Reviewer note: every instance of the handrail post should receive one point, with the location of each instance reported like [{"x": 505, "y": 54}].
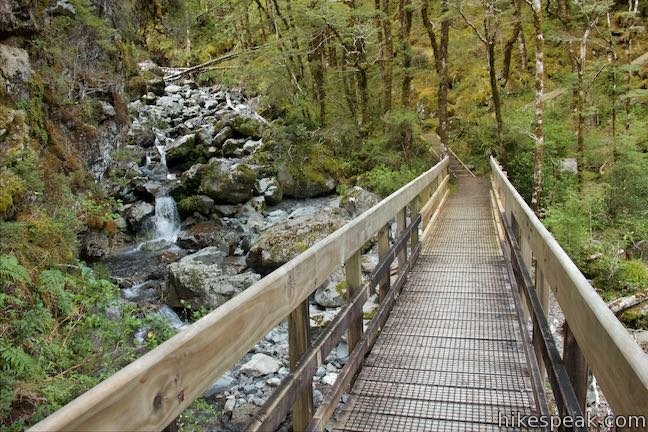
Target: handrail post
[
  {"x": 543, "y": 295},
  {"x": 298, "y": 343},
  {"x": 383, "y": 249},
  {"x": 401, "y": 225},
  {"x": 576, "y": 366},
  {"x": 414, "y": 209},
  {"x": 353, "y": 270}
]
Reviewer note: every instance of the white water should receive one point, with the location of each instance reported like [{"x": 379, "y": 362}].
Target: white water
[
  {"x": 167, "y": 219},
  {"x": 160, "y": 149}
]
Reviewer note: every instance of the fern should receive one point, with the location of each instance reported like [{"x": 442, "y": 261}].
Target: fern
[
  {"x": 12, "y": 272},
  {"x": 53, "y": 283},
  {"x": 14, "y": 360}
]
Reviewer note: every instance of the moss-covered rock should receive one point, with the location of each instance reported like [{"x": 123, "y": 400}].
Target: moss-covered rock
[
  {"x": 247, "y": 127},
  {"x": 357, "y": 200},
  {"x": 284, "y": 241},
  {"x": 304, "y": 181},
  {"x": 185, "y": 152},
  {"x": 228, "y": 182},
  {"x": 195, "y": 203}
]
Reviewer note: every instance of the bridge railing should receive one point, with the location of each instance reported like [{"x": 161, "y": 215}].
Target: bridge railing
[
  {"x": 152, "y": 391},
  {"x": 594, "y": 338}
]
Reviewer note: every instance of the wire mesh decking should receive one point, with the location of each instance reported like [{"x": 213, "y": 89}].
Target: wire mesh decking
[{"x": 451, "y": 356}]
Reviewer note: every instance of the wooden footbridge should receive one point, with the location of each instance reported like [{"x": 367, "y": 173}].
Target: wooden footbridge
[{"x": 460, "y": 341}]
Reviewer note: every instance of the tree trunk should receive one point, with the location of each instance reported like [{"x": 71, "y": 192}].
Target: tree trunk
[
  {"x": 442, "y": 98},
  {"x": 316, "y": 63},
  {"x": 497, "y": 105},
  {"x": 536, "y": 200},
  {"x": 580, "y": 104},
  {"x": 389, "y": 57},
  {"x": 429, "y": 28},
  {"x": 406, "y": 48}
]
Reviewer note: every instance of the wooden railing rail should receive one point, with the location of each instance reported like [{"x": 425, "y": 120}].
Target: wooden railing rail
[
  {"x": 152, "y": 391},
  {"x": 595, "y": 338}
]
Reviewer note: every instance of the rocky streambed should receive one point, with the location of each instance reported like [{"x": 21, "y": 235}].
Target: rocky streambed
[{"x": 207, "y": 210}]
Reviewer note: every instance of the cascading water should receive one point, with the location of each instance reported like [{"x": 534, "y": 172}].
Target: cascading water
[
  {"x": 160, "y": 149},
  {"x": 167, "y": 219}
]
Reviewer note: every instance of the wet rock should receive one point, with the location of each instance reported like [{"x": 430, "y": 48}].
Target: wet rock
[
  {"x": 145, "y": 292},
  {"x": 227, "y": 210},
  {"x": 209, "y": 233},
  {"x": 284, "y": 241},
  {"x": 188, "y": 183},
  {"x": 260, "y": 365},
  {"x": 135, "y": 214},
  {"x": 142, "y": 136},
  {"x": 358, "y": 200},
  {"x": 228, "y": 183},
  {"x": 171, "y": 317},
  {"x": 304, "y": 183},
  {"x": 201, "y": 279}
]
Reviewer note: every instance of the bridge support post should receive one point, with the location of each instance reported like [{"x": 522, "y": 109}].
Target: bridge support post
[
  {"x": 414, "y": 209},
  {"x": 298, "y": 343},
  {"x": 401, "y": 224},
  {"x": 576, "y": 366},
  {"x": 542, "y": 290},
  {"x": 383, "y": 249},
  {"x": 353, "y": 271}
]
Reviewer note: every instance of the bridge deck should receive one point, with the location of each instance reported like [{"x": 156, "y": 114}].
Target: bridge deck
[{"x": 451, "y": 356}]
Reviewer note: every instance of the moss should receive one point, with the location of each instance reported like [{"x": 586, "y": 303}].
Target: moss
[
  {"x": 632, "y": 274},
  {"x": 636, "y": 316},
  {"x": 371, "y": 314},
  {"x": 342, "y": 288}
]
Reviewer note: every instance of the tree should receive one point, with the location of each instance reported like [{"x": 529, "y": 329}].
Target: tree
[{"x": 536, "y": 6}]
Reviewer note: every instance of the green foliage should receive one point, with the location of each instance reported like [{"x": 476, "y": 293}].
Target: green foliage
[{"x": 383, "y": 180}]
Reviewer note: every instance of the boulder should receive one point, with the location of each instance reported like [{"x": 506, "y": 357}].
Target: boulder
[
  {"x": 184, "y": 151},
  {"x": 260, "y": 365},
  {"x": 228, "y": 183},
  {"x": 286, "y": 240},
  {"x": 222, "y": 136},
  {"x": 15, "y": 70},
  {"x": 142, "y": 136},
  {"x": 358, "y": 200},
  {"x": 95, "y": 245},
  {"x": 304, "y": 183},
  {"x": 16, "y": 18},
  {"x": 271, "y": 190},
  {"x": 155, "y": 86},
  {"x": 331, "y": 294},
  {"x": 222, "y": 384},
  {"x": 202, "y": 280},
  {"x": 232, "y": 148},
  {"x": 196, "y": 203},
  {"x": 151, "y": 67},
  {"x": 62, "y": 8},
  {"x": 247, "y": 127},
  {"x": 209, "y": 233},
  {"x": 188, "y": 183},
  {"x": 135, "y": 214}
]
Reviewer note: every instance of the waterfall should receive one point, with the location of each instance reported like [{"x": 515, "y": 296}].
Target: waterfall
[
  {"x": 167, "y": 219},
  {"x": 160, "y": 149}
]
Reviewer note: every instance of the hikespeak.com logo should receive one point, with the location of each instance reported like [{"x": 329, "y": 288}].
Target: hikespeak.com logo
[{"x": 556, "y": 422}]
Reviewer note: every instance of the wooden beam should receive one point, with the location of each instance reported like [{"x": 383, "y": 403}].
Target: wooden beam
[
  {"x": 576, "y": 366},
  {"x": 353, "y": 271},
  {"x": 150, "y": 392},
  {"x": 401, "y": 225},
  {"x": 383, "y": 249},
  {"x": 298, "y": 344},
  {"x": 618, "y": 363}
]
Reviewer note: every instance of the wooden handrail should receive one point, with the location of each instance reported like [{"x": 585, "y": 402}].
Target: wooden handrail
[
  {"x": 617, "y": 361},
  {"x": 151, "y": 392}
]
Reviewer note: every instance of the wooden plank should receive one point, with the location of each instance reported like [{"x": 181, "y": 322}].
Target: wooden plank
[
  {"x": 298, "y": 344},
  {"x": 435, "y": 201},
  {"x": 617, "y": 361},
  {"x": 150, "y": 392},
  {"x": 576, "y": 367},
  {"x": 383, "y": 249},
  {"x": 353, "y": 271},
  {"x": 401, "y": 226},
  {"x": 413, "y": 209}
]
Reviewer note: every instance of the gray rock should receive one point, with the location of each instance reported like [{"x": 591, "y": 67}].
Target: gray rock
[
  {"x": 142, "y": 136},
  {"x": 155, "y": 86},
  {"x": 271, "y": 190},
  {"x": 242, "y": 415},
  {"x": 260, "y": 365},
  {"x": 228, "y": 183},
  {"x": 358, "y": 200},
  {"x": 342, "y": 353},
  {"x": 15, "y": 70},
  {"x": 569, "y": 165},
  {"x": 150, "y": 66},
  {"x": 184, "y": 151},
  {"x": 107, "y": 110},
  {"x": 202, "y": 280},
  {"x": 229, "y": 405},
  {"x": 222, "y": 384},
  {"x": 209, "y": 233},
  {"x": 62, "y": 8},
  {"x": 331, "y": 294},
  {"x": 173, "y": 88},
  {"x": 286, "y": 240},
  {"x": 197, "y": 203},
  {"x": 135, "y": 213},
  {"x": 231, "y": 146},
  {"x": 222, "y": 136}
]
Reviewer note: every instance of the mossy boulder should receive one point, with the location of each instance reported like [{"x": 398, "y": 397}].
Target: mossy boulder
[
  {"x": 247, "y": 127},
  {"x": 331, "y": 294},
  {"x": 185, "y": 151},
  {"x": 357, "y": 200},
  {"x": 228, "y": 182},
  {"x": 304, "y": 181},
  {"x": 195, "y": 204},
  {"x": 188, "y": 183},
  {"x": 284, "y": 241}
]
